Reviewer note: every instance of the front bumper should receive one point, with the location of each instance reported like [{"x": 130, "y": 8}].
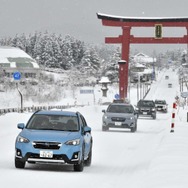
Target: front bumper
[
  {"x": 25, "y": 152},
  {"x": 143, "y": 112},
  {"x": 126, "y": 124},
  {"x": 161, "y": 108}
]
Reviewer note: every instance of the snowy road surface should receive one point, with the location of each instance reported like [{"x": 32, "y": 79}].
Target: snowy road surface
[{"x": 151, "y": 157}]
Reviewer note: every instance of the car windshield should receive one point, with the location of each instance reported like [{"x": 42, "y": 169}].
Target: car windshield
[
  {"x": 120, "y": 109},
  {"x": 53, "y": 122},
  {"x": 146, "y": 103},
  {"x": 160, "y": 102}
]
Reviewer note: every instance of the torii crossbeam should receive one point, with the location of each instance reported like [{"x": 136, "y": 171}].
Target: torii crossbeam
[{"x": 126, "y": 23}]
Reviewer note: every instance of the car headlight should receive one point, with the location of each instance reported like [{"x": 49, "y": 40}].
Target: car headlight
[
  {"x": 153, "y": 109},
  {"x": 105, "y": 117},
  {"x": 130, "y": 118},
  {"x": 73, "y": 142},
  {"x": 136, "y": 109},
  {"x": 22, "y": 139}
]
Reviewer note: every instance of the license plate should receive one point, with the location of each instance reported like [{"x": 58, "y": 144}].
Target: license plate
[
  {"x": 145, "y": 113},
  {"x": 46, "y": 154},
  {"x": 118, "y": 123}
]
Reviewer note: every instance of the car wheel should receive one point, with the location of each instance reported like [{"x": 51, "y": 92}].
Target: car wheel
[
  {"x": 89, "y": 159},
  {"x": 154, "y": 117},
  {"x": 19, "y": 164},
  {"x": 80, "y": 167},
  {"x": 134, "y": 129},
  {"x": 105, "y": 128}
]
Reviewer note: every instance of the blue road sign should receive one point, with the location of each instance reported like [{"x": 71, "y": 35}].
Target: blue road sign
[
  {"x": 117, "y": 96},
  {"x": 17, "y": 75}
]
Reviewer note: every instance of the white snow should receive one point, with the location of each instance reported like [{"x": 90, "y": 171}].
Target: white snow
[
  {"x": 7, "y": 52},
  {"x": 104, "y": 79},
  {"x": 148, "y": 18},
  {"x": 153, "y": 157},
  {"x": 12, "y": 52}
]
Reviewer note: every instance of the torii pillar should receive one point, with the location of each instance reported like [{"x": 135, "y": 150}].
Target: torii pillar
[
  {"x": 123, "y": 78},
  {"x": 126, "y": 23},
  {"x": 123, "y": 67}
]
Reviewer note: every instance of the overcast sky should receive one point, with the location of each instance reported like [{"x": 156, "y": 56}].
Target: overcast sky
[{"x": 78, "y": 17}]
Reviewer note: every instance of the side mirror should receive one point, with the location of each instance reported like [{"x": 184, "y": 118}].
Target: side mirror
[
  {"x": 87, "y": 129},
  {"x": 103, "y": 111},
  {"x": 21, "y": 126}
]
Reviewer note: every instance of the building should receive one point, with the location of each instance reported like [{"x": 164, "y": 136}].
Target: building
[
  {"x": 16, "y": 60},
  {"x": 144, "y": 59},
  {"x": 142, "y": 67}
]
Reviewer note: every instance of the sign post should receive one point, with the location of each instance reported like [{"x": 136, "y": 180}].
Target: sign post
[{"x": 17, "y": 76}]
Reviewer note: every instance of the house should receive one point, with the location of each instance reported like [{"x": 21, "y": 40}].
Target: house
[
  {"x": 16, "y": 60},
  {"x": 144, "y": 59}
]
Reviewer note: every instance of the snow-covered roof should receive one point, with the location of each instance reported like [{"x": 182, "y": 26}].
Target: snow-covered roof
[
  {"x": 129, "y": 19},
  {"x": 104, "y": 80},
  {"x": 141, "y": 55},
  {"x": 138, "y": 65},
  {"x": 148, "y": 71},
  {"x": 143, "y": 58},
  {"x": 14, "y": 57}
]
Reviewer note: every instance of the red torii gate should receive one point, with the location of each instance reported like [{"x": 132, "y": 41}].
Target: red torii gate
[{"x": 126, "y": 23}]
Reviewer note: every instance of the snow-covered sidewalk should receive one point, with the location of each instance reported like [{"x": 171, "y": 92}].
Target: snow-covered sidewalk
[{"x": 169, "y": 167}]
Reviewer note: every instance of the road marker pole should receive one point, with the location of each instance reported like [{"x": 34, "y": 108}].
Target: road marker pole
[{"x": 173, "y": 117}]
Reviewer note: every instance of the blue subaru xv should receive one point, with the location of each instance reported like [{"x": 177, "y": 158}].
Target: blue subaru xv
[{"x": 57, "y": 137}]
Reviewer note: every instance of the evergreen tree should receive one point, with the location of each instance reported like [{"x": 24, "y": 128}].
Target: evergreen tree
[
  {"x": 32, "y": 40},
  {"x": 57, "y": 55},
  {"x": 67, "y": 53},
  {"x": 112, "y": 67}
]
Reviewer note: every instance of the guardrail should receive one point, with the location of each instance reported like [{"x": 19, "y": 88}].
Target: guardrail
[{"x": 35, "y": 108}]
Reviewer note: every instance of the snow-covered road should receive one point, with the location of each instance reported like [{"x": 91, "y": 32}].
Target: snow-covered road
[{"x": 120, "y": 158}]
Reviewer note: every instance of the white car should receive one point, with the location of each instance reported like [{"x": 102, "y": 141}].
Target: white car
[{"x": 161, "y": 105}]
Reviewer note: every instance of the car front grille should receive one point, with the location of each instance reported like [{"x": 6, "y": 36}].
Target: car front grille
[
  {"x": 144, "y": 109},
  {"x": 160, "y": 106},
  {"x": 118, "y": 119},
  {"x": 47, "y": 145}
]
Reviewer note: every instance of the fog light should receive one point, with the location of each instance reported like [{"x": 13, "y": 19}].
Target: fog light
[
  {"x": 18, "y": 153},
  {"x": 75, "y": 156}
]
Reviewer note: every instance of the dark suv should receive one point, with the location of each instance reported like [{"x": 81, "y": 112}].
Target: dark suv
[
  {"x": 119, "y": 115},
  {"x": 146, "y": 108}
]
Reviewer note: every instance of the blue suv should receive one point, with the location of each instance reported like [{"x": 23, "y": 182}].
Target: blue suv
[{"x": 57, "y": 137}]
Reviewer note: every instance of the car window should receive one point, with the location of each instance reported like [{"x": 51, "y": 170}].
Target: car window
[
  {"x": 83, "y": 121},
  {"x": 120, "y": 109},
  {"x": 160, "y": 102},
  {"x": 53, "y": 122},
  {"x": 146, "y": 103}
]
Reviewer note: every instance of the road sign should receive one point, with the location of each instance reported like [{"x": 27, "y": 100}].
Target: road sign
[
  {"x": 86, "y": 91},
  {"x": 184, "y": 94},
  {"x": 17, "y": 75},
  {"x": 158, "y": 31},
  {"x": 117, "y": 96}
]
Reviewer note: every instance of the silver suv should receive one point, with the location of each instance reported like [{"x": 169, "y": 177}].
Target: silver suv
[{"x": 119, "y": 115}]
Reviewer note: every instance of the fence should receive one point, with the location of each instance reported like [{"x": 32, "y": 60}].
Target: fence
[{"x": 35, "y": 108}]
